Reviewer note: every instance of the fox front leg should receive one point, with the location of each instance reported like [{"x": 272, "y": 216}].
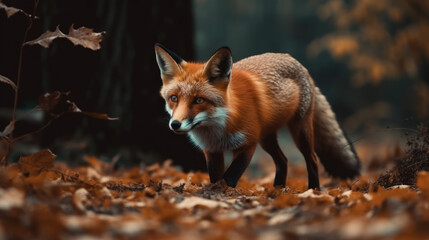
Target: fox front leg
[
  {"x": 239, "y": 164},
  {"x": 215, "y": 165}
]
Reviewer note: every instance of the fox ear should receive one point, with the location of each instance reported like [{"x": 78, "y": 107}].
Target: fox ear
[
  {"x": 219, "y": 66},
  {"x": 168, "y": 62}
]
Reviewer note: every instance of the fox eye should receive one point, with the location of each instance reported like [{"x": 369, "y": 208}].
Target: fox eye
[
  {"x": 199, "y": 100},
  {"x": 173, "y": 98}
]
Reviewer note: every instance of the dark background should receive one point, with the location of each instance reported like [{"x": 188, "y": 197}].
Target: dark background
[{"x": 122, "y": 79}]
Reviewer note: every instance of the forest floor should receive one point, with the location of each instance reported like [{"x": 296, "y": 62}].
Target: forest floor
[{"x": 43, "y": 199}]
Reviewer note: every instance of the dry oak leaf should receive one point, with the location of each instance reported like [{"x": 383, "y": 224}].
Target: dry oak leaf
[
  {"x": 6, "y": 80},
  {"x": 10, "y": 11},
  {"x": 81, "y": 199},
  {"x": 57, "y": 103},
  {"x": 34, "y": 163},
  {"x": 191, "y": 202},
  {"x": 82, "y": 36},
  {"x": 85, "y": 37},
  {"x": 10, "y": 198}
]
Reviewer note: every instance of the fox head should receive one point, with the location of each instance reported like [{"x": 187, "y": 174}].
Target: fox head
[{"x": 195, "y": 93}]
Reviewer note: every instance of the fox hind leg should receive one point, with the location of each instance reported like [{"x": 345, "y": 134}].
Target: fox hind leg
[
  {"x": 270, "y": 144},
  {"x": 303, "y": 135}
]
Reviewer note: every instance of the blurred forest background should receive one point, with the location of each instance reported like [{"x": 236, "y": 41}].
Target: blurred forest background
[{"x": 370, "y": 58}]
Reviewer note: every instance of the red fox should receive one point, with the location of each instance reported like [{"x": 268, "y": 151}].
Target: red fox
[{"x": 224, "y": 106}]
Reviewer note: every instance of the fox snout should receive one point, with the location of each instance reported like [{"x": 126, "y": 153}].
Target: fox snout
[
  {"x": 182, "y": 127},
  {"x": 175, "y": 126},
  {"x": 218, "y": 118}
]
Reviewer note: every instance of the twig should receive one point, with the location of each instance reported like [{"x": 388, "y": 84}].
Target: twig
[
  {"x": 18, "y": 80},
  {"x": 34, "y": 132},
  {"x": 5, "y": 158}
]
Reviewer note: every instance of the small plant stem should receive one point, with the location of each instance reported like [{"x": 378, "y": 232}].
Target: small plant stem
[
  {"x": 18, "y": 80},
  {"x": 4, "y": 143},
  {"x": 4, "y": 160},
  {"x": 34, "y": 132}
]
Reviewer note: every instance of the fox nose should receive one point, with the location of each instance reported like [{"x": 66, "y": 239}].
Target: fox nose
[{"x": 175, "y": 124}]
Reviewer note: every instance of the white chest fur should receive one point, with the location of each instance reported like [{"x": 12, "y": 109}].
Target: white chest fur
[{"x": 214, "y": 138}]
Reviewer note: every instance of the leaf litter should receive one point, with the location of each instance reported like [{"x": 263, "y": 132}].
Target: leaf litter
[{"x": 44, "y": 199}]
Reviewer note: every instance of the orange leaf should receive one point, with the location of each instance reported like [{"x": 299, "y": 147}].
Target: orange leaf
[
  {"x": 422, "y": 183},
  {"x": 286, "y": 200},
  {"x": 33, "y": 164}
]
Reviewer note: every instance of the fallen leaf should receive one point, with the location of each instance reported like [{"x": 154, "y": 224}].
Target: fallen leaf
[
  {"x": 283, "y": 215},
  {"x": 47, "y": 222},
  {"x": 129, "y": 227},
  {"x": 155, "y": 202},
  {"x": 33, "y": 164},
  {"x": 422, "y": 183},
  {"x": 10, "y": 198},
  {"x": 375, "y": 229},
  {"x": 95, "y": 163},
  {"x": 70, "y": 176},
  {"x": 92, "y": 174},
  {"x": 81, "y": 199},
  {"x": 199, "y": 178},
  {"x": 191, "y": 202},
  {"x": 286, "y": 200},
  {"x": 6, "y": 80},
  {"x": 403, "y": 194},
  {"x": 82, "y": 36},
  {"x": 310, "y": 193}
]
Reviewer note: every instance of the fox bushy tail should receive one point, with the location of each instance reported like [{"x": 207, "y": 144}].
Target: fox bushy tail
[{"x": 332, "y": 147}]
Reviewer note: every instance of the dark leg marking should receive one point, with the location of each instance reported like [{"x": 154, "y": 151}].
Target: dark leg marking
[
  {"x": 271, "y": 146},
  {"x": 304, "y": 139},
  {"x": 215, "y": 165},
  {"x": 239, "y": 164}
]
